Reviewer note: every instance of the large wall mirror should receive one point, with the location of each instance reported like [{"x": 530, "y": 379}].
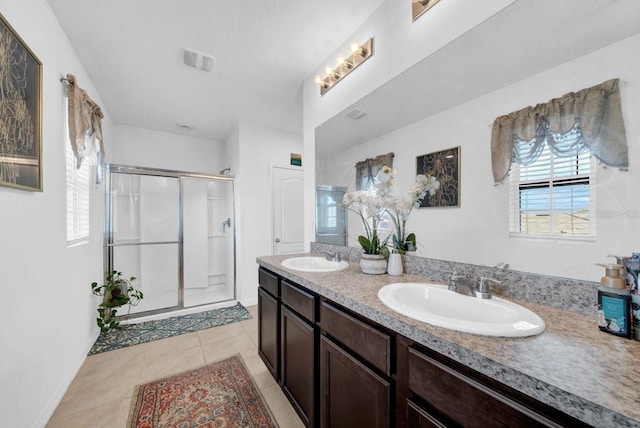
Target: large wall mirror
[{"x": 523, "y": 55}]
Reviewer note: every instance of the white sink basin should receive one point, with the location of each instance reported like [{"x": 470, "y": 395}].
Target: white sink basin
[
  {"x": 436, "y": 305},
  {"x": 314, "y": 264}
]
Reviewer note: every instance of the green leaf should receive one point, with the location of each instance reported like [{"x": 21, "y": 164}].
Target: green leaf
[
  {"x": 365, "y": 243},
  {"x": 385, "y": 251}
]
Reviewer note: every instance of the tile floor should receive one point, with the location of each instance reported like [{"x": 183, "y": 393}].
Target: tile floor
[{"x": 100, "y": 395}]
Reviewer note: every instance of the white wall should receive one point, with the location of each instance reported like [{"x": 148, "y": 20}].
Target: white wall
[
  {"x": 48, "y": 311},
  {"x": 259, "y": 148},
  {"x": 478, "y": 231},
  {"x": 156, "y": 149}
]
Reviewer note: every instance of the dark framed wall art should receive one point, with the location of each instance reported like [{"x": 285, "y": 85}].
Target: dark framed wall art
[
  {"x": 445, "y": 167},
  {"x": 20, "y": 112}
]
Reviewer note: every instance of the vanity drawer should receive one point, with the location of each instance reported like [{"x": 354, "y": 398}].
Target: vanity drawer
[
  {"x": 299, "y": 300},
  {"x": 269, "y": 282},
  {"x": 476, "y": 405},
  {"x": 419, "y": 418},
  {"x": 363, "y": 339}
]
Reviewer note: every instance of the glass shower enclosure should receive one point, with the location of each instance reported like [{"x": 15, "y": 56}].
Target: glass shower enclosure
[{"x": 175, "y": 232}]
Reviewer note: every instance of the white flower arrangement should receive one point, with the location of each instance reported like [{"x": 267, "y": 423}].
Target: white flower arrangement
[
  {"x": 402, "y": 206},
  {"x": 383, "y": 199}
]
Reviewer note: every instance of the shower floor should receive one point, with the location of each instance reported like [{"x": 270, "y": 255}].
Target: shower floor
[{"x": 193, "y": 297}]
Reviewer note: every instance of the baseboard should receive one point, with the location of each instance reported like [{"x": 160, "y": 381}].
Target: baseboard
[
  {"x": 59, "y": 395},
  {"x": 249, "y": 302}
]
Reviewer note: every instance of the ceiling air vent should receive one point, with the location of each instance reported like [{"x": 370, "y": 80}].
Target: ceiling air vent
[
  {"x": 356, "y": 114},
  {"x": 199, "y": 60}
]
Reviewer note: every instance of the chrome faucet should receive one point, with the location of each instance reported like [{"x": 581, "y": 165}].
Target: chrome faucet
[
  {"x": 460, "y": 280},
  {"x": 483, "y": 288},
  {"x": 331, "y": 256}
]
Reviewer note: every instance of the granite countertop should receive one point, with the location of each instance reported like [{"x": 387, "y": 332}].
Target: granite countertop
[{"x": 572, "y": 366}]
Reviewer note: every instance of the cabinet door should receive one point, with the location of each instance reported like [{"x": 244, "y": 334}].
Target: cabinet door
[
  {"x": 269, "y": 332},
  {"x": 351, "y": 394},
  {"x": 298, "y": 366}
]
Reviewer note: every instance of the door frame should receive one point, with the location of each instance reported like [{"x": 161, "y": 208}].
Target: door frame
[{"x": 272, "y": 167}]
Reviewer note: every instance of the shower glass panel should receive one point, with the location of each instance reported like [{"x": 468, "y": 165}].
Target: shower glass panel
[
  {"x": 145, "y": 236},
  {"x": 175, "y": 232},
  {"x": 208, "y": 230},
  {"x": 331, "y": 217},
  {"x": 155, "y": 267}
]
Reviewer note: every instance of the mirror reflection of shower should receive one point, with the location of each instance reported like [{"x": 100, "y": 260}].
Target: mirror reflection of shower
[
  {"x": 331, "y": 216},
  {"x": 225, "y": 171}
]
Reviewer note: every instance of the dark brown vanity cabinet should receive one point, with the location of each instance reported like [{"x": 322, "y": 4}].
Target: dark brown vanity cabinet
[
  {"x": 288, "y": 341},
  {"x": 298, "y": 339},
  {"x": 269, "y": 321},
  {"x": 352, "y": 395},
  {"x": 444, "y": 396},
  {"x": 339, "y": 369},
  {"x": 355, "y": 370}
]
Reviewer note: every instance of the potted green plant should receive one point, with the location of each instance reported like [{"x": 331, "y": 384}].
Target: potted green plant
[{"x": 116, "y": 292}]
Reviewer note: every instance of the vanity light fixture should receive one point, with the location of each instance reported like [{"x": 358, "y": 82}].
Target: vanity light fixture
[
  {"x": 332, "y": 75},
  {"x": 419, "y": 7}
]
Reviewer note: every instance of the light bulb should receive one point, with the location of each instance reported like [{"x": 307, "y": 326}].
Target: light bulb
[
  {"x": 327, "y": 70},
  {"x": 340, "y": 61},
  {"x": 354, "y": 47},
  {"x": 318, "y": 80}
]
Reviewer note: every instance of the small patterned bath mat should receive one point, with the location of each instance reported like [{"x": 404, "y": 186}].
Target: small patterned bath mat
[
  {"x": 134, "y": 334},
  {"x": 221, "y": 394}
]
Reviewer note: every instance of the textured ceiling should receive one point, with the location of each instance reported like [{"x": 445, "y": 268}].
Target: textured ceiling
[{"x": 264, "y": 50}]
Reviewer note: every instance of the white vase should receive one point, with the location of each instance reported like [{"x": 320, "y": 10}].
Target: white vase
[
  {"x": 373, "y": 264},
  {"x": 394, "y": 266}
]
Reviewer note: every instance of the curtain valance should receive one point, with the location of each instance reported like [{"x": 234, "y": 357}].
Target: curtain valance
[
  {"x": 85, "y": 120},
  {"x": 367, "y": 169},
  {"x": 590, "y": 118}
]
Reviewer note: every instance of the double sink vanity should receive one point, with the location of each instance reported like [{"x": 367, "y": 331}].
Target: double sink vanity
[{"x": 350, "y": 349}]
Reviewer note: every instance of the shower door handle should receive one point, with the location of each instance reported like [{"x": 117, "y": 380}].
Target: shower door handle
[
  {"x": 226, "y": 223},
  {"x": 277, "y": 239}
]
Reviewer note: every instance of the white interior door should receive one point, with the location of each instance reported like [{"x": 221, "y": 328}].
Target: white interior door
[{"x": 287, "y": 188}]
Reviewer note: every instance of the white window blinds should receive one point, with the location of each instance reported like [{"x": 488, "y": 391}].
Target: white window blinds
[
  {"x": 77, "y": 196},
  {"x": 554, "y": 196}
]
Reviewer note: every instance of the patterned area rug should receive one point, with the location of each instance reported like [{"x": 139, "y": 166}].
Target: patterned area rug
[
  {"x": 222, "y": 394},
  {"x": 133, "y": 334}
]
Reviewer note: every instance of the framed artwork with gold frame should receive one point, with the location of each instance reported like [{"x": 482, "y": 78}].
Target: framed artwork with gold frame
[
  {"x": 445, "y": 167},
  {"x": 20, "y": 112}
]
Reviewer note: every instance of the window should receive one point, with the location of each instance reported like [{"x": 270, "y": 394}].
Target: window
[
  {"x": 77, "y": 195},
  {"x": 554, "y": 196}
]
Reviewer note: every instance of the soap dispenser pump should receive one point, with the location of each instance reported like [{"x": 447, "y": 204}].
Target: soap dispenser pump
[
  {"x": 614, "y": 301},
  {"x": 612, "y": 278}
]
